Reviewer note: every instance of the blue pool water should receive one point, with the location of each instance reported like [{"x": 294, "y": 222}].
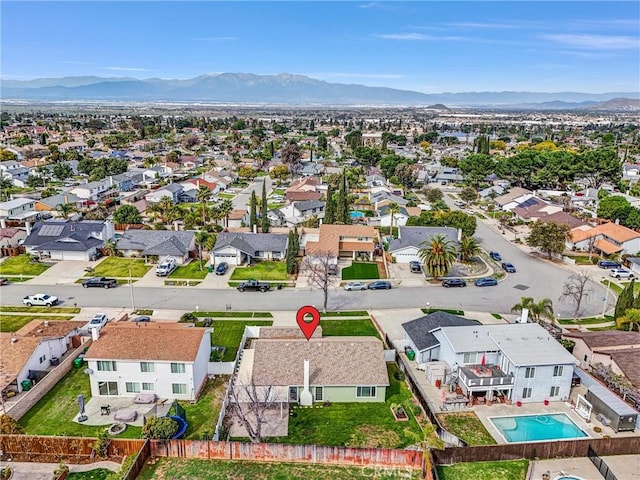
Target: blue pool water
[
  {"x": 535, "y": 428},
  {"x": 356, "y": 214}
]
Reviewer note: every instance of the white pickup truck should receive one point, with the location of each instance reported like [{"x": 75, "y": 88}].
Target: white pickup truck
[
  {"x": 98, "y": 321},
  {"x": 40, "y": 299},
  {"x": 165, "y": 267}
]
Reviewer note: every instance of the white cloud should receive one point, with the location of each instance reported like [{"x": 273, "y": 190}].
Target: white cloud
[
  {"x": 600, "y": 42},
  {"x": 127, "y": 69}
]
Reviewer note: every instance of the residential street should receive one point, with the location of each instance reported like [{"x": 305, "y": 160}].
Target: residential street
[{"x": 241, "y": 200}]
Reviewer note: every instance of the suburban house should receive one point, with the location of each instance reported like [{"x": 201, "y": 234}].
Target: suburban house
[
  {"x": 514, "y": 197},
  {"x": 418, "y": 333},
  {"x": 616, "y": 349},
  {"x": 607, "y": 238},
  {"x": 236, "y": 217},
  {"x": 220, "y": 180},
  {"x": 491, "y": 192},
  {"x": 350, "y": 241},
  {"x": 634, "y": 265},
  {"x": 162, "y": 244},
  {"x": 563, "y": 218},
  {"x": 93, "y": 190},
  {"x": 407, "y": 246},
  {"x": 33, "y": 350},
  {"x": 237, "y": 247},
  {"x": 18, "y": 209},
  {"x": 323, "y": 369},
  {"x": 50, "y": 204},
  {"x": 535, "y": 208},
  {"x": 297, "y": 212},
  {"x": 305, "y": 188},
  {"x": 168, "y": 360},
  {"x": 173, "y": 191},
  {"x": 520, "y": 362},
  {"x": 388, "y": 196},
  {"x": 400, "y": 217},
  {"x": 67, "y": 239},
  {"x": 11, "y": 237},
  {"x": 15, "y": 172},
  {"x": 196, "y": 183}
]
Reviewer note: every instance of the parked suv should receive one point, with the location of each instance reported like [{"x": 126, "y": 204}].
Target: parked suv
[
  {"x": 609, "y": 264},
  {"x": 165, "y": 267},
  {"x": 415, "y": 266},
  {"x": 620, "y": 273},
  {"x": 454, "y": 282}
]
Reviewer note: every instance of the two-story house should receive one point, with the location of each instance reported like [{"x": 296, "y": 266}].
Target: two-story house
[
  {"x": 15, "y": 172},
  {"x": 166, "y": 359},
  {"x": 93, "y": 190},
  {"x": 173, "y": 191},
  {"x": 18, "y": 208},
  {"x": 607, "y": 238},
  {"x": 297, "y": 212},
  {"x": 349, "y": 241}
]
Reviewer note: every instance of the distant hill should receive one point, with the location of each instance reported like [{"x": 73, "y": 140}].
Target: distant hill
[
  {"x": 617, "y": 104},
  {"x": 438, "y": 106},
  {"x": 247, "y": 88}
]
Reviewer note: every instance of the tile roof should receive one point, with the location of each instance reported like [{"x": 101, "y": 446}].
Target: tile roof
[
  {"x": 329, "y": 239},
  {"x": 607, "y": 338},
  {"x": 612, "y": 230},
  {"x": 339, "y": 361},
  {"x": 146, "y": 343},
  {"x": 419, "y": 330},
  {"x": 14, "y": 356},
  {"x": 606, "y": 246}
]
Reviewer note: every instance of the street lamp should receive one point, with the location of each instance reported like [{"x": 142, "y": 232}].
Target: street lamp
[
  {"x": 606, "y": 298},
  {"x": 133, "y": 303}
]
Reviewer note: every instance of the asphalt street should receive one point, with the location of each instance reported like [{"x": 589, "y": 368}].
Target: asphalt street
[{"x": 241, "y": 200}]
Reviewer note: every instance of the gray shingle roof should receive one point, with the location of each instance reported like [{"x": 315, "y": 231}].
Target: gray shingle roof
[
  {"x": 250, "y": 243},
  {"x": 419, "y": 330},
  {"x": 156, "y": 242},
  {"x": 63, "y": 235},
  {"x": 308, "y": 205},
  {"x": 414, "y": 236}
]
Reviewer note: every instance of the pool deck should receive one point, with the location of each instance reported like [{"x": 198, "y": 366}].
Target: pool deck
[{"x": 625, "y": 467}]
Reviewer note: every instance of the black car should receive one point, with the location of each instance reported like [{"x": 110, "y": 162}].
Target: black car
[
  {"x": 454, "y": 282},
  {"x": 486, "y": 282},
  {"x": 102, "y": 282},
  {"x": 415, "y": 267},
  {"x": 379, "y": 285},
  {"x": 496, "y": 256},
  {"x": 608, "y": 264},
  {"x": 508, "y": 267},
  {"x": 142, "y": 318},
  {"x": 222, "y": 268}
]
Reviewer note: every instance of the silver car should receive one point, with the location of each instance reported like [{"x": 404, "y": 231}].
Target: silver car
[{"x": 355, "y": 286}]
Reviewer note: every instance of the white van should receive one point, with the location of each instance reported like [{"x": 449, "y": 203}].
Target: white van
[{"x": 165, "y": 267}]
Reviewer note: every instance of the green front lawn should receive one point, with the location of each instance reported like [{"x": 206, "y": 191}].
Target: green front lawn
[
  {"x": 353, "y": 313},
  {"x": 448, "y": 310},
  {"x": 24, "y": 308},
  {"x": 506, "y": 470},
  {"x": 361, "y": 271},
  {"x": 177, "y": 468},
  {"x": 191, "y": 270},
  {"x": 228, "y": 196},
  {"x": 584, "y": 259},
  {"x": 119, "y": 267},
  {"x": 203, "y": 416},
  {"x": 343, "y": 328},
  {"x": 261, "y": 271},
  {"x": 340, "y": 423},
  {"x": 54, "y": 413},
  {"x": 617, "y": 289},
  {"x": 234, "y": 314},
  {"x": 587, "y": 321},
  {"x": 13, "y": 323},
  {"x": 228, "y": 334},
  {"x": 468, "y": 427},
  {"x": 95, "y": 474},
  {"x": 21, "y": 265}
]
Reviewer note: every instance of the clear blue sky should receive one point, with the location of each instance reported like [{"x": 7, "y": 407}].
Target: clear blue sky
[{"x": 425, "y": 46}]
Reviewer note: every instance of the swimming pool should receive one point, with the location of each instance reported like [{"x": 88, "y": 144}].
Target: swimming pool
[
  {"x": 356, "y": 214},
  {"x": 537, "y": 428}
]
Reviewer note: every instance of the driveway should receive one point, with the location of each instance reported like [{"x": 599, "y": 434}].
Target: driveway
[{"x": 64, "y": 272}]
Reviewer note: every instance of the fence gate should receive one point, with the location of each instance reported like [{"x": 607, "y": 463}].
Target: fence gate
[{"x": 600, "y": 464}]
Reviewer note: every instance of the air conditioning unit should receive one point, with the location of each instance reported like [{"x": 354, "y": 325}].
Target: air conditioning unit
[{"x": 88, "y": 371}]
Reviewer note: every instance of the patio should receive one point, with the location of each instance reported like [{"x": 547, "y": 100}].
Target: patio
[
  {"x": 276, "y": 423},
  {"x": 98, "y": 414}
]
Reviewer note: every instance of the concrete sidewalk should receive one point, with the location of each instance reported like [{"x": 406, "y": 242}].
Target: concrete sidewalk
[{"x": 44, "y": 471}]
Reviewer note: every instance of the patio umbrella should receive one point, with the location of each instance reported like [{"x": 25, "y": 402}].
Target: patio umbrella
[{"x": 81, "y": 416}]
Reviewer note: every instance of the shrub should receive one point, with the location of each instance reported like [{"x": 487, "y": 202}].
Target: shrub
[
  {"x": 8, "y": 426},
  {"x": 101, "y": 445},
  {"x": 188, "y": 317},
  {"x": 60, "y": 469},
  {"x": 161, "y": 428}
]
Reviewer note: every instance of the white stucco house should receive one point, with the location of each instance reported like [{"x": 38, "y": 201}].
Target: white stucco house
[
  {"x": 407, "y": 246},
  {"x": 168, "y": 360},
  {"x": 237, "y": 247}
]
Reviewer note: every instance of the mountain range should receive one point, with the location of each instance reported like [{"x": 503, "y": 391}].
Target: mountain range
[{"x": 288, "y": 89}]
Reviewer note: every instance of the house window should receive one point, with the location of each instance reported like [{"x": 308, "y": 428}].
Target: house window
[
  {"x": 555, "y": 391},
  {"x": 526, "y": 392},
  {"x": 178, "y": 368},
  {"x": 108, "y": 388},
  {"x": 530, "y": 372},
  {"x": 470, "y": 358},
  {"x": 147, "y": 367},
  {"x": 132, "y": 387},
  {"x": 365, "y": 392},
  {"x": 147, "y": 386},
  {"x": 557, "y": 371},
  {"x": 293, "y": 394},
  {"x": 362, "y": 239},
  {"x": 585, "y": 358},
  {"x": 106, "y": 366},
  {"x": 43, "y": 358},
  {"x": 318, "y": 394},
  {"x": 179, "y": 388}
]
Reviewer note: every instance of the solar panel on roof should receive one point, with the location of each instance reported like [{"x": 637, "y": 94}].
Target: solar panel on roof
[
  {"x": 528, "y": 203},
  {"x": 51, "y": 230}
]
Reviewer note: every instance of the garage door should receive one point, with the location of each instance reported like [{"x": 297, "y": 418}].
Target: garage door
[
  {"x": 230, "y": 258},
  {"x": 407, "y": 257},
  {"x": 83, "y": 256}
]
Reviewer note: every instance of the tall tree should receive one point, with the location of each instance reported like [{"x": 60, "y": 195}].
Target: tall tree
[
  {"x": 291, "y": 254},
  {"x": 393, "y": 209},
  {"x": 127, "y": 214},
  {"x": 342, "y": 207},
  {"x": 576, "y": 290},
  {"x": 253, "y": 210},
  {"x": 469, "y": 247},
  {"x": 264, "y": 219},
  {"x": 226, "y": 206},
  {"x": 329, "y": 207},
  {"x": 291, "y": 155},
  {"x": 203, "y": 195},
  {"x": 318, "y": 269},
  {"x": 625, "y": 300},
  {"x": 438, "y": 254},
  {"x": 551, "y": 238},
  {"x": 201, "y": 238}
]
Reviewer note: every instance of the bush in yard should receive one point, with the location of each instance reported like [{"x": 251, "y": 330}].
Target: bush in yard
[
  {"x": 60, "y": 469},
  {"x": 188, "y": 317},
  {"x": 161, "y": 428},
  {"x": 101, "y": 445},
  {"x": 8, "y": 426}
]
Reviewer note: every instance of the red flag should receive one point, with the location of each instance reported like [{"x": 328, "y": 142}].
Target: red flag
[{"x": 483, "y": 360}]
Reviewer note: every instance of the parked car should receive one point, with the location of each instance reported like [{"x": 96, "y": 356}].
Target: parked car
[
  {"x": 379, "y": 285},
  {"x": 332, "y": 269},
  {"x": 254, "y": 286},
  {"x": 98, "y": 321},
  {"x": 4, "y": 281},
  {"x": 508, "y": 267},
  {"x": 40, "y": 299},
  {"x": 415, "y": 266},
  {"x": 453, "y": 282},
  {"x": 620, "y": 273},
  {"x": 459, "y": 203},
  {"x": 222, "y": 268},
  {"x": 142, "y": 318},
  {"x": 609, "y": 264},
  {"x": 486, "y": 282},
  {"x": 165, "y": 267},
  {"x": 355, "y": 286},
  {"x": 102, "y": 282},
  {"x": 496, "y": 256}
]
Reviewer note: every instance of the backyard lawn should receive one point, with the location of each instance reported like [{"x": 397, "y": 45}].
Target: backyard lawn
[
  {"x": 339, "y": 328},
  {"x": 203, "y": 416},
  {"x": 119, "y": 267},
  {"x": 228, "y": 334},
  {"x": 507, "y": 470},
  {"x": 358, "y": 424},
  {"x": 174, "y": 468},
  {"x": 54, "y": 413},
  {"x": 13, "y": 323},
  {"x": 192, "y": 270},
  {"x": 361, "y": 271},
  {"x": 95, "y": 474},
  {"x": 468, "y": 427},
  {"x": 21, "y": 265},
  {"x": 261, "y": 271}
]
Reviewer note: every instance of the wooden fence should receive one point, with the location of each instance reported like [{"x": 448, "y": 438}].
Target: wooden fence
[
  {"x": 12, "y": 251},
  {"x": 538, "y": 450},
  {"x": 138, "y": 463}
]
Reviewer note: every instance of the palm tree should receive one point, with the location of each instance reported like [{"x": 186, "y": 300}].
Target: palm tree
[
  {"x": 190, "y": 218},
  {"x": 438, "y": 254},
  {"x": 225, "y": 209},
  {"x": 215, "y": 214},
  {"x": 393, "y": 209},
  {"x": 201, "y": 238},
  {"x": 65, "y": 209},
  {"x": 110, "y": 248},
  {"x": 538, "y": 310},
  {"x": 203, "y": 195},
  {"x": 469, "y": 247}
]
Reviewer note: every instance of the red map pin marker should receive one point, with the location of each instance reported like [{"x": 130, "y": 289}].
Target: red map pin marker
[{"x": 308, "y": 327}]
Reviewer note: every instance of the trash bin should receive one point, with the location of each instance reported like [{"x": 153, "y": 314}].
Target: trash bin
[
  {"x": 210, "y": 268},
  {"x": 77, "y": 363},
  {"x": 26, "y": 385},
  {"x": 411, "y": 355}
]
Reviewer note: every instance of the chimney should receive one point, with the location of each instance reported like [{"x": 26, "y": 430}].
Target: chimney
[
  {"x": 46, "y": 323},
  {"x": 524, "y": 316},
  {"x": 95, "y": 334},
  {"x": 255, "y": 228},
  {"x": 14, "y": 339},
  {"x": 28, "y": 227},
  {"x": 3, "y": 223},
  {"x": 305, "y": 397}
]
